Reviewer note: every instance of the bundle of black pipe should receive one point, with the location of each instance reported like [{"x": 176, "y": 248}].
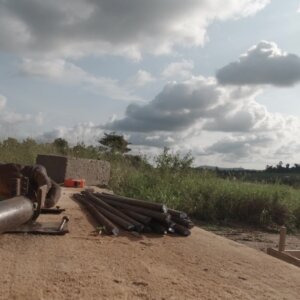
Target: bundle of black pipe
[{"x": 112, "y": 211}]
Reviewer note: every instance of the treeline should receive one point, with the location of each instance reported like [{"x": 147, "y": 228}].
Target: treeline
[
  {"x": 110, "y": 146},
  {"x": 283, "y": 168}
]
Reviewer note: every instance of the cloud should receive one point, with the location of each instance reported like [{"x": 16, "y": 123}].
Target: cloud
[
  {"x": 62, "y": 71},
  {"x": 178, "y": 70},
  {"x": 198, "y": 102},
  {"x": 11, "y": 120},
  {"x": 2, "y": 102},
  {"x": 82, "y": 27},
  {"x": 176, "y": 107},
  {"x": 243, "y": 116},
  {"x": 221, "y": 124},
  {"x": 236, "y": 147},
  {"x": 263, "y": 63},
  {"x": 140, "y": 79},
  {"x": 86, "y": 132}
]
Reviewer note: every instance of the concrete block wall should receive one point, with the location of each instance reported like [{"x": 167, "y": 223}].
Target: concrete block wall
[{"x": 95, "y": 172}]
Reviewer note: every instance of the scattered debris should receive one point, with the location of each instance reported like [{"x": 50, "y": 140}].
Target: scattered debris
[{"x": 137, "y": 216}]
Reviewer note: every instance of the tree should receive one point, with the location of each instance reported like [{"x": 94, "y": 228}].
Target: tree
[
  {"x": 280, "y": 165},
  {"x": 61, "y": 145},
  {"x": 115, "y": 142},
  {"x": 168, "y": 160}
]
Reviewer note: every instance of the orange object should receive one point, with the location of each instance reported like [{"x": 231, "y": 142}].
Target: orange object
[{"x": 77, "y": 183}]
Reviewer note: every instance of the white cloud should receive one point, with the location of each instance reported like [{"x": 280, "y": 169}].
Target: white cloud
[
  {"x": 263, "y": 63},
  {"x": 82, "y": 27},
  {"x": 2, "y": 102},
  {"x": 177, "y": 107},
  {"x": 197, "y": 101},
  {"x": 10, "y": 121},
  {"x": 178, "y": 70},
  {"x": 62, "y": 71},
  {"x": 55, "y": 69},
  {"x": 140, "y": 79},
  {"x": 224, "y": 124},
  {"x": 236, "y": 147},
  {"x": 86, "y": 132}
]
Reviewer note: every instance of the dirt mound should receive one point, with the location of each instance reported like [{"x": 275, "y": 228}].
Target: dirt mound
[{"x": 83, "y": 266}]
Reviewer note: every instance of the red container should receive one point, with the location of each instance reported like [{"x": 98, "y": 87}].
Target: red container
[{"x": 75, "y": 183}]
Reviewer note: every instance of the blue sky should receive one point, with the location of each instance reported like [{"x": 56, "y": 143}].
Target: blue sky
[{"x": 163, "y": 73}]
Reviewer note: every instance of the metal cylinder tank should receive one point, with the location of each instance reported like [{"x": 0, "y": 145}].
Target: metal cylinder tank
[{"x": 15, "y": 212}]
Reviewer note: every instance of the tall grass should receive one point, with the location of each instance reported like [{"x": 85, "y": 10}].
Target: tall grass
[{"x": 209, "y": 198}]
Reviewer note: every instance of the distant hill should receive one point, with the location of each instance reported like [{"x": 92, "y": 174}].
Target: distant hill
[{"x": 219, "y": 168}]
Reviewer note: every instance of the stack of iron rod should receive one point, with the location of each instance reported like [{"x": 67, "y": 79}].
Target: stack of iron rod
[{"x": 112, "y": 213}]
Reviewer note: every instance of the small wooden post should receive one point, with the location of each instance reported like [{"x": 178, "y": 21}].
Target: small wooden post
[{"x": 282, "y": 237}]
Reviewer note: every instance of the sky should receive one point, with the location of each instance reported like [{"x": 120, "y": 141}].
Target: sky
[{"x": 217, "y": 78}]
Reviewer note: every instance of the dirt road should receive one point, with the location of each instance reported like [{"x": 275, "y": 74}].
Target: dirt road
[{"x": 83, "y": 266}]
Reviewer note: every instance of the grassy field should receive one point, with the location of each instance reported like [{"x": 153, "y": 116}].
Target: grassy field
[
  {"x": 209, "y": 198},
  {"x": 202, "y": 194}
]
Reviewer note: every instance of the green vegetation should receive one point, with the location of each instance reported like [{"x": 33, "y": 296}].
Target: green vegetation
[
  {"x": 173, "y": 181},
  {"x": 280, "y": 174},
  {"x": 116, "y": 143}
]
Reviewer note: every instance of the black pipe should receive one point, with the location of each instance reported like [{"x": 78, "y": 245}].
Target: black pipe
[
  {"x": 100, "y": 202},
  {"x": 114, "y": 218},
  {"x": 131, "y": 201},
  {"x": 181, "y": 230},
  {"x": 184, "y": 222},
  {"x": 139, "y": 217},
  {"x": 177, "y": 213},
  {"x": 147, "y": 212},
  {"x": 109, "y": 227},
  {"x": 158, "y": 227}
]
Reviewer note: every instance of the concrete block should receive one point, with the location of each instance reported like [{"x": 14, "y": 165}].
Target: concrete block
[{"x": 95, "y": 172}]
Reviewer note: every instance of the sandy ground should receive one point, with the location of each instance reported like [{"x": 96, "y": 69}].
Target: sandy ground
[
  {"x": 81, "y": 265},
  {"x": 253, "y": 237}
]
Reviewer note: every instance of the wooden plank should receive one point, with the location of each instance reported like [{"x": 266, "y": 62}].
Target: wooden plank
[
  {"x": 284, "y": 256},
  {"x": 295, "y": 253}
]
